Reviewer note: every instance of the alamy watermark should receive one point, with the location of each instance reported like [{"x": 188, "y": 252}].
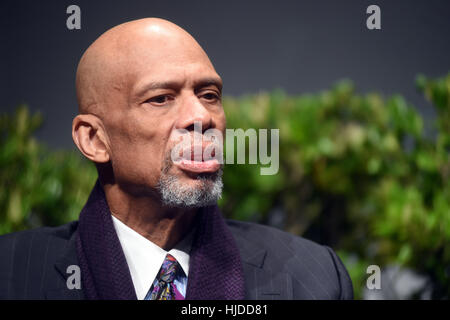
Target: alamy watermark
[
  {"x": 373, "y": 282},
  {"x": 373, "y": 22},
  {"x": 199, "y": 146},
  {"x": 73, "y": 21},
  {"x": 74, "y": 279}
]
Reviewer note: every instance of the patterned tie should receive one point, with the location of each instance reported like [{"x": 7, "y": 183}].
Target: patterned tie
[{"x": 163, "y": 287}]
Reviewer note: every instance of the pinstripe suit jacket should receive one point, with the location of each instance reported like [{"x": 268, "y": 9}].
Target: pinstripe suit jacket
[{"x": 277, "y": 265}]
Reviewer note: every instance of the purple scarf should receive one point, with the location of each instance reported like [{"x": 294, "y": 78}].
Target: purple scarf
[{"x": 215, "y": 271}]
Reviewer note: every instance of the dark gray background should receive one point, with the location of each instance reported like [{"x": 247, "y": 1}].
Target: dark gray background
[{"x": 300, "y": 46}]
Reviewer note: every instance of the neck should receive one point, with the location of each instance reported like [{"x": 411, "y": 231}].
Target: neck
[{"x": 163, "y": 226}]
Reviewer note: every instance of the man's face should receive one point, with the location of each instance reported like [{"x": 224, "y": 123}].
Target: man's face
[{"x": 163, "y": 89}]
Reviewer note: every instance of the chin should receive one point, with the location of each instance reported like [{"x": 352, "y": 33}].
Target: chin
[{"x": 190, "y": 191}]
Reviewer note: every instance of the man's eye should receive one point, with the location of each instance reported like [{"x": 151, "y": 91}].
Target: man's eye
[
  {"x": 211, "y": 97},
  {"x": 159, "y": 99}
]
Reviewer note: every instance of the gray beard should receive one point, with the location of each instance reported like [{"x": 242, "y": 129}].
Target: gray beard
[{"x": 176, "y": 195}]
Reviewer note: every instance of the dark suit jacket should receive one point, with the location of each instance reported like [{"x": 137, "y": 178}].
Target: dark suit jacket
[{"x": 277, "y": 265}]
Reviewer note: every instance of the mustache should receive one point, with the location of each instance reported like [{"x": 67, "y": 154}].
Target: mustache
[
  {"x": 190, "y": 145},
  {"x": 199, "y": 150}
]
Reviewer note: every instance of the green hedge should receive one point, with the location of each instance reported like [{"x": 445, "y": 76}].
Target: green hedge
[
  {"x": 38, "y": 186},
  {"x": 356, "y": 172}
]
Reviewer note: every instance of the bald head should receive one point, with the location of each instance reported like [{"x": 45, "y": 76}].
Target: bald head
[{"x": 124, "y": 53}]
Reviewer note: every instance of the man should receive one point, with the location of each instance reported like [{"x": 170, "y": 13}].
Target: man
[{"x": 151, "y": 228}]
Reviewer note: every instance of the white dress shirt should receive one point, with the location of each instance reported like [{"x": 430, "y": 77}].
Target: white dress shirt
[{"x": 144, "y": 258}]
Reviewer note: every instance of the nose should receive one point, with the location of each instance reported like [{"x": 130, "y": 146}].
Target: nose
[{"x": 193, "y": 111}]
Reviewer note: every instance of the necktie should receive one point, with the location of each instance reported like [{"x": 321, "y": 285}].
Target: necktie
[{"x": 163, "y": 287}]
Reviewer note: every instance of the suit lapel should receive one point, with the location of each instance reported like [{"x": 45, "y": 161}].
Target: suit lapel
[
  {"x": 261, "y": 283},
  {"x": 61, "y": 290}
]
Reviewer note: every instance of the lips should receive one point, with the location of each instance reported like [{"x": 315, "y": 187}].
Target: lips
[
  {"x": 187, "y": 162},
  {"x": 198, "y": 166}
]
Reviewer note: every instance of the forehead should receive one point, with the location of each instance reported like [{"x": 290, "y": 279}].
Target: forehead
[{"x": 167, "y": 60}]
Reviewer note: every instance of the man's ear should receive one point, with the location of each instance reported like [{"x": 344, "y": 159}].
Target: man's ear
[{"x": 89, "y": 135}]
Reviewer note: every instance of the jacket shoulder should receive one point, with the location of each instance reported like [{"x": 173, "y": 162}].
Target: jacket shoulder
[
  {"x": 28, "y": 259},
  {"x": 316, "y": 270},
  {"x": 61, "y": 233},
  {"x": 271, "y": 238}
]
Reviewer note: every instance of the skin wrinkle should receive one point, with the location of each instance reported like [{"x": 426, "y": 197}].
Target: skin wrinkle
[{"x": 127, "y": 135}]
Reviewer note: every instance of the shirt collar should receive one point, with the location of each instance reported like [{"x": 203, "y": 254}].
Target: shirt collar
[{"x": 144, "y": 258}]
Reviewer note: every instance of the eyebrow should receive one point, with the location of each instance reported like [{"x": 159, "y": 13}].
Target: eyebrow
[
  {"x": 198, "y": 84},
  {"x": 206, "y": 82}
]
